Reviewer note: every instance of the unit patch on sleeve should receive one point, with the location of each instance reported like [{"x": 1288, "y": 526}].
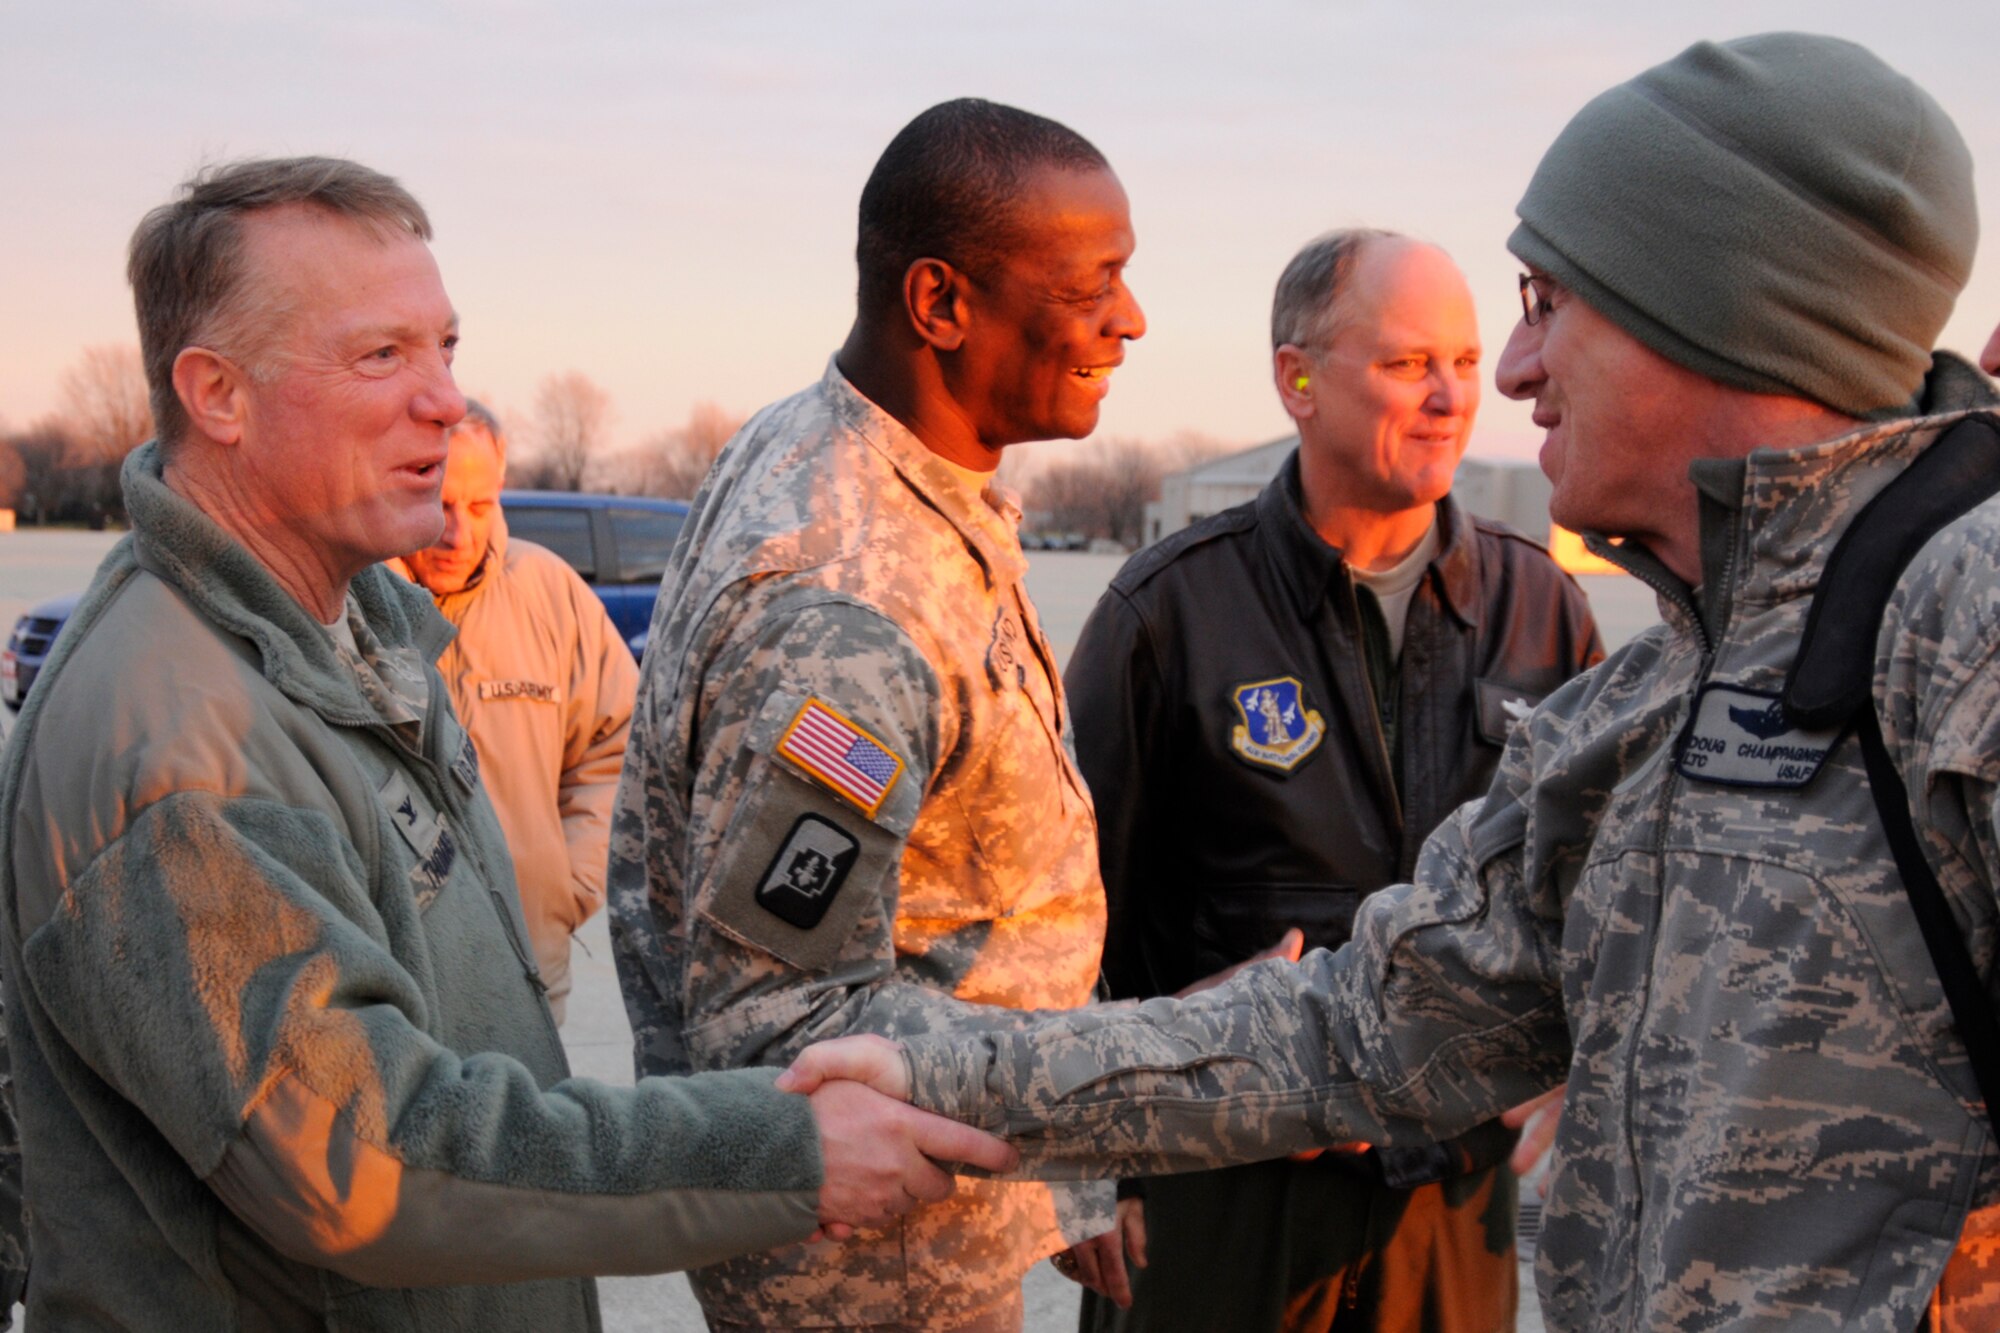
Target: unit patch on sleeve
[
  {"x": 807, "y": 871},
  {"x": 841, "y": 755},
  {"x": 1277, "y": 729},
  {"x": 1741, "y": 738}
]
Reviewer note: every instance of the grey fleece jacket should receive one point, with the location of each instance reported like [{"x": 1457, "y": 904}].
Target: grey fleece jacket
[{"x": 281, "y": 1055}]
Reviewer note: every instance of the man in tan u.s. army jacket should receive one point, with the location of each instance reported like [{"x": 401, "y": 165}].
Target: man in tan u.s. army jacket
[
  {"x": 543, "y": 683},
  {"x": 850, "y": 803}
]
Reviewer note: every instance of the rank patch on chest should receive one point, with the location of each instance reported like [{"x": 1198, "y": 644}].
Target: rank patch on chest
[
  {"x": 1741, "y": 738},
  {"x": 807, "y": 871},
  {"x": 1005, "y": 664},
  {"x": 1277, "y": 730},
  {"x": 841, "y": 755}
]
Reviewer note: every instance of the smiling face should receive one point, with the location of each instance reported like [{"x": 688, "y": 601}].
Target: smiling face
[
  {"x": 473, "y": 475},
  {"x": 1048, "y": 324},
  {"x": 342, "y": 451},
  {"x": 1389, "y": 403},
  {"x": 1623, "y": 423}
]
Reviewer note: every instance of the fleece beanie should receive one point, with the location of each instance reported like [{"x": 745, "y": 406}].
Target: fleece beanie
[{"x": 1783, "y": 213}]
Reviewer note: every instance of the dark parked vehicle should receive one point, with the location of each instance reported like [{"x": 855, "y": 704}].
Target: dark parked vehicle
[
  {"x": 34, "y": 634},
  {"x": 619, "y": 543}
]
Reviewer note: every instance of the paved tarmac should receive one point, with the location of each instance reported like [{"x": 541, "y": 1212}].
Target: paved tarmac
[{"x": 36, "y": 564}]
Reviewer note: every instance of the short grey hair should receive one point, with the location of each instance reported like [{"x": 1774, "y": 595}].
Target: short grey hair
[
  {"x": 478, "y": 416},
  {"x": 1307, "y": 310},
  {"x": 187, "y": 268}
]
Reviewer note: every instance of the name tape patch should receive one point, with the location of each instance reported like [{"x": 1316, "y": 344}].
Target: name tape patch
[
  {"x": 426, "y": 834},
  {"x": 841, "y": 755},
  {"x": 807, "y": 872},
  {"x": 520, "y": 689},
  {"x": 1741, "y": 738}
]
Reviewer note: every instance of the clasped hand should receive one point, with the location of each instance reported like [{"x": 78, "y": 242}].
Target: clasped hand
[{"x": 879, "y": 1156}]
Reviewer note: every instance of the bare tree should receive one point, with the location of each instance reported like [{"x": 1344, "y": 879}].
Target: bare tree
[
  {"x": 102, "y": 415},
  {"x": 40, "y": 485},
  {"x": 572, "y": 415},
  {"x": 1102, "y": 490},
  {"x": 673, "y": 462},
  {"x": 104, "y": 408},
  {"x": 1183, "y": 449}
]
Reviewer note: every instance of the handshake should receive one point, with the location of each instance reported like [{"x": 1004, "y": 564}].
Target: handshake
[{"x": 878, "y": 1156}]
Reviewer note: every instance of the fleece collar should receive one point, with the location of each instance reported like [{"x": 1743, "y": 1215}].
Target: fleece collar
[{"x": 175, "y": 541}]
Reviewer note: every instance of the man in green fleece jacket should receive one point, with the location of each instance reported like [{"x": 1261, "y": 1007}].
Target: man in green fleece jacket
[{"x": 281, "y": 1053}]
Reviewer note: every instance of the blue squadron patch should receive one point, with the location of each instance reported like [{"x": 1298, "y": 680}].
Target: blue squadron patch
[{"x": 1278, "y": 730}]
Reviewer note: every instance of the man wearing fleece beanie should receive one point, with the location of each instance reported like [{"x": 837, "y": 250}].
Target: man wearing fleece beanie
[{"x": 1678, "y": 894}]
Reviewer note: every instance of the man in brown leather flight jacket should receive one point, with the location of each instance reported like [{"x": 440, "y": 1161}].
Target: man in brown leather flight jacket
[{"x": 1274, "y": 707}]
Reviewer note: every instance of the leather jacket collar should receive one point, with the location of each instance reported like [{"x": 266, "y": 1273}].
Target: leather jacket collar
[{"x": 1309, "y": 565}]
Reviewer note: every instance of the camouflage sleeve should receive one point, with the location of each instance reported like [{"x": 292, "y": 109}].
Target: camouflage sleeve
[
  {"x": 1444, "y": 1010},
  {"x": 1938, "y": 690},
  {"x": 820, "y": 726}
]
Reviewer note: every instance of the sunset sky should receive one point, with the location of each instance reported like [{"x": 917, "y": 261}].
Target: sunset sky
[{"x": 662, "y": 195}]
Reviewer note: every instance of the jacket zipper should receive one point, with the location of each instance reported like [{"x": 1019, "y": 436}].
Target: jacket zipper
[
  {"x": 1662, "y": 581},
  {"x": 438, "y": 791}
]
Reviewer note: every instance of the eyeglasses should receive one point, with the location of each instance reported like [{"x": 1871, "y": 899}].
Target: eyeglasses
[{"x": 1535, "y": 294}]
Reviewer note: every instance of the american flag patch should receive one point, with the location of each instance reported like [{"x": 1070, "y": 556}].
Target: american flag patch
[{"x": 841, "y": 755}]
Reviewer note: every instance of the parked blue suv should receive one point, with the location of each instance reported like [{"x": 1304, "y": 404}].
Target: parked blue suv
[
  {"x": 619, "y": 543},
  {"x": 34, "y": 634}
]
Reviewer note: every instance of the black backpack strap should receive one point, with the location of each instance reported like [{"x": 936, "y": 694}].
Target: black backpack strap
[
  {"x": 1834, "y": 673},
  {"x": 1833, "y": 680},
  {"x": 1971, "y": 1011}
]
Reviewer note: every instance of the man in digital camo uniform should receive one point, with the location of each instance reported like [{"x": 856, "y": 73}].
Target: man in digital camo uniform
[
  {"x": 850, "y": 803},
  {"x": 543, "y": 683},
  {"x": 1273, "y": 708},
  {"x": 1674, "y": 896}
]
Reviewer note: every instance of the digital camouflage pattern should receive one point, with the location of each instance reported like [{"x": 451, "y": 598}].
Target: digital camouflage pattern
[
  {"x": 1769, "y": 1122},
  {"x": 834, "y": 571},
  {"x": 392, "y": 680}
]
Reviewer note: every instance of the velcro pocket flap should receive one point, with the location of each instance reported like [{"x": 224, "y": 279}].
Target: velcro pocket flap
[
  {"x": 1502, "y": 704},
  {"x": 803, "y": 871}
]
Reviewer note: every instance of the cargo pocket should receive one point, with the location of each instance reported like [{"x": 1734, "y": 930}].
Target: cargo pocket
[{"x": 1232, "y": 922}]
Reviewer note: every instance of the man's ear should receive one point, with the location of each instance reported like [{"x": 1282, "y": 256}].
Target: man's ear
[
  {"x": 212, "y": 392},
  {"x": 934, "y": 297},
  {"x": 1293, "y": 370}
]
